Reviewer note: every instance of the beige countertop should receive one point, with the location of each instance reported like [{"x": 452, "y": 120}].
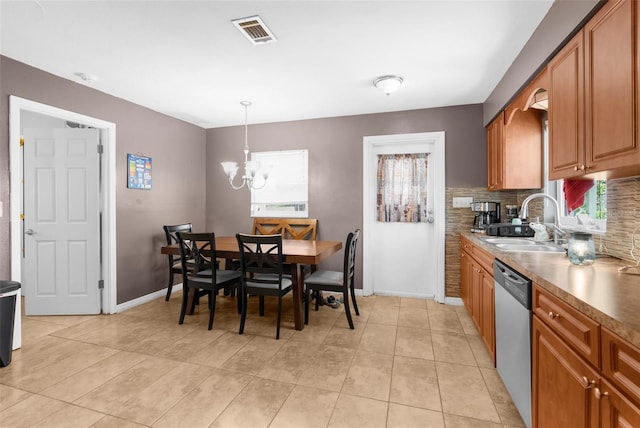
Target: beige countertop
[{"x": 598, "y": 290}]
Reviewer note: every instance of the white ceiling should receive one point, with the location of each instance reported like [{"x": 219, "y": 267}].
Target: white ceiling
[{"x": 185, "y": 58}]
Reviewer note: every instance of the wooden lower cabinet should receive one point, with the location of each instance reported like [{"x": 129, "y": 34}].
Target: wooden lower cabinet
[
  {"x": 476, "y": 292},
  {"x": 615, "y": 409},
  {"x": 488, "y": 323},
  {"x": 476, "y": 295},
  {"x": 465, "y": 279},
  {"x": 568, "y": 391},
  {"x": 563, "y": 383}
]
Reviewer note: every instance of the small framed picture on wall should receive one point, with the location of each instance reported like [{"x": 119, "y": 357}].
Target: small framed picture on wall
[{"x": 138, "y": 171}]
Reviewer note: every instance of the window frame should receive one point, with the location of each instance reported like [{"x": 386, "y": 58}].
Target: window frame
[{"x": 287, "y": 169}]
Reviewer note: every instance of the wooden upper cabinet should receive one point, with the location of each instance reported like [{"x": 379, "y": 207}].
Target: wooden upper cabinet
[
  {"x": 514, "y": 143},
  {"x": 526, "y": 97},
  {"x": 566, "y": 110},
  {"x": 611, "y": 91},
  {"x": 594, "y": 117},
  {"x": 495, "y": 153}
]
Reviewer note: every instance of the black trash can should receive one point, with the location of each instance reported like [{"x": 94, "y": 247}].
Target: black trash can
[{"x": 8, "y": 294}]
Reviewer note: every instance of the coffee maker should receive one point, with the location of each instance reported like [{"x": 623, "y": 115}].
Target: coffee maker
[{"x": 486, "y": 213}]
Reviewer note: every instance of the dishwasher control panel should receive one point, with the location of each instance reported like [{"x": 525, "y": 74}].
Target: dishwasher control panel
[{"x": 518, "y": 285}]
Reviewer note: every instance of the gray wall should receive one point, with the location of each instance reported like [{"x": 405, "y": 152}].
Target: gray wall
[
  {"x": 178, "y": 152},
  {"x": 335, "y": 163},
  {"x": 563, "y": 18}
]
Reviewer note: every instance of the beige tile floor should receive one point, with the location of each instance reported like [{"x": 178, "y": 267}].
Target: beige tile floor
[{"x": 408, "y": 363}]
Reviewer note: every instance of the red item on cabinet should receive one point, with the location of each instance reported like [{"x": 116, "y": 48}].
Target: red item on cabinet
[{"x": 574, "y": 191}]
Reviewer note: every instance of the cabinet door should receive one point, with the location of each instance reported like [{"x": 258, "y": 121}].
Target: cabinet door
[
  {"x": 476, "y": 296},
  {"x": 495, "y": 153},
  {"x": 488, "y": 322},
  {"x": 562, "y": 382},
  {"x": 465, "y": 279},
  {"x": 621, "y": 364},
  {"x": 566, "y": 110},
  {"x": 610, "y": 90},
  {"x": 615, "y": 409}
]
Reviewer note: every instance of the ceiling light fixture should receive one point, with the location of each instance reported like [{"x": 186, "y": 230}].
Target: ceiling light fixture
[
  {"x": 251, "y": 168},
  {"x": 388, "y": 84}
]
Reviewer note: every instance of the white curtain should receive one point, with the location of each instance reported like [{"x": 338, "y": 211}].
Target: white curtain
[{"x": 402, "y": 188}]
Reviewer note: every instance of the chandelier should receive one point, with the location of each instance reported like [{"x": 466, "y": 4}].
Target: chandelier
[{"x": 251, "y": 168}]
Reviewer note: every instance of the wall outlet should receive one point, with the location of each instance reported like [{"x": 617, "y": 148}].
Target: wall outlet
[{"x": 462, "y": 202}]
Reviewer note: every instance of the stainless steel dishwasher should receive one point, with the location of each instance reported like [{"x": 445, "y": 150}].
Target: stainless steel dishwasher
[{"x": 513, "y": 335}]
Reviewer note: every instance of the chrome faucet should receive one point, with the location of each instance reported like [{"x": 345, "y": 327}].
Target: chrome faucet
[{"x": 558, "y": 232}]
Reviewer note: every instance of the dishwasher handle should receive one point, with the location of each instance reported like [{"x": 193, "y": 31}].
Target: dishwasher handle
[
  {"x": 513, "y": 282},
  {"x": 508, "y": 277}
]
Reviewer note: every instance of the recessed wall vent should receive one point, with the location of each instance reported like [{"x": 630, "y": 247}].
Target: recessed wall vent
[{"x": 254, "y": 29}]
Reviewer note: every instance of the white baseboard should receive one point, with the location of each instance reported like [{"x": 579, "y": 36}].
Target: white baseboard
[
  {"x": 146, "y": 298},
  {"x": 454, "y": 301}
]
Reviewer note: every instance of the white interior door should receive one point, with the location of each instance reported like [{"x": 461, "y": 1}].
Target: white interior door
[
  {"x": 61, "y": 260},
  {"x": 405, "y": 259}
]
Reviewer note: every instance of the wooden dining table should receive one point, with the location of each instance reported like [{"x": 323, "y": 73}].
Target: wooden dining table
[{"x": 296, "y": 253}]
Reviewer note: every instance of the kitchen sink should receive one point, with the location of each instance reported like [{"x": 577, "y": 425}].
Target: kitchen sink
[
  {"x": 524, "y": 245},
  {"x": 510, "y": 241},
  {"x": 531, "y": 248}
]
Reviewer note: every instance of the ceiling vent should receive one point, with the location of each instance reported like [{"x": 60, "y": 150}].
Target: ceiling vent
[{"x": 254, "y": 29}]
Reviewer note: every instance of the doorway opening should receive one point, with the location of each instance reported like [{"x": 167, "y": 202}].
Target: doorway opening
[
  {"x": 19, "y": 107},
  {"x": 405, "y": 259}
]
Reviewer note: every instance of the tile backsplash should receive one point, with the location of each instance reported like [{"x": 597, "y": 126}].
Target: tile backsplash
[{"x": 623, "y": 216}]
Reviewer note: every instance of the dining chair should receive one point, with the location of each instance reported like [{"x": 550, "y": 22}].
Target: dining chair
[
  {"x": 204, "y": 279},
  {"x": 262, "y": 272},
  {"x": 336, "y": 282},
  {"x": 289, "y": 228},
  {"x": 175, "y": 266}
]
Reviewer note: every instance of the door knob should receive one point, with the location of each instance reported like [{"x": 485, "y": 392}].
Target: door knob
[
  {"x": 29, "y": 232},
  {"x": 430, "y": 220}
]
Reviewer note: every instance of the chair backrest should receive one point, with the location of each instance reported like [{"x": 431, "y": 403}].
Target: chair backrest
[
  {"x": 198, "y": 248},
  {"x": 289, "y": 228},
  {"x": 261, "y": 254},
  {"x": 170, "y": 233},
  {"x": 350, "y": 257}
]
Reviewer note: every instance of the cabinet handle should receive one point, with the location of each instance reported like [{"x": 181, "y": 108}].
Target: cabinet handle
[
  {"x": 553, "y": 316},
  {"x": 589, "y": 384},
  {"x": 598, "y": 394}
]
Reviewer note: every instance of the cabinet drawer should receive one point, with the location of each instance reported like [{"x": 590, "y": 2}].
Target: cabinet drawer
[
  {"x": 578, "y": 330},
  {"x": 466, "y": 245},
  {"x": 621, "y": 363},
  {"x": 484, "y": 259}
]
